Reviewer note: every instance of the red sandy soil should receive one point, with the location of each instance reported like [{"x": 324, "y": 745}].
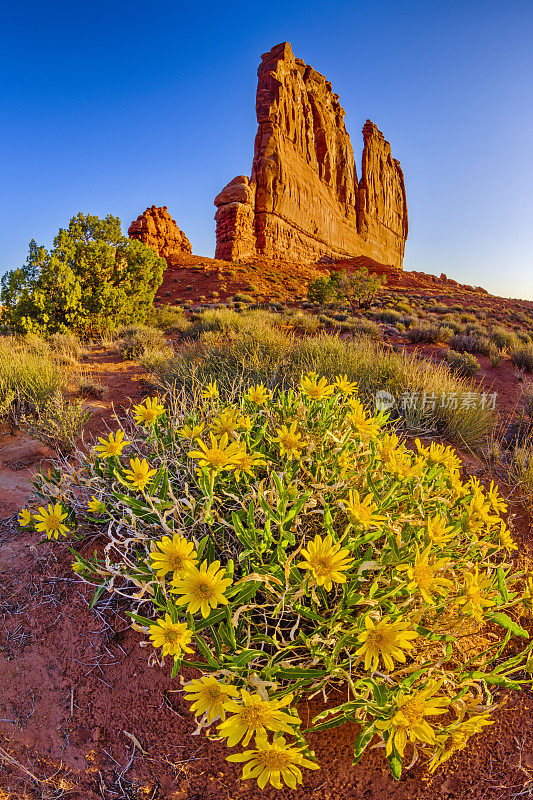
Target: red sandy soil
[{"x": 84, "y": 714}]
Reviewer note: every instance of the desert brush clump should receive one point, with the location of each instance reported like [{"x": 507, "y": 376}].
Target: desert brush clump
[
  {"x": 91, "y": 280},
  {"x": 288, "y": 544},
  {"x": 253, "y": 348}
]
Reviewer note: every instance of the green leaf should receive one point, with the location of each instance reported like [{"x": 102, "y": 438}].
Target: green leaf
[
  {"x": 362, "y": 740},
  {"x": 97, "y": 594},
  {"x": 205, "y": 650},
  {"x": 140, "y": 620},
  {"x": 395, "y": 765},
  {"x": 292, "y": 673},
  {"x": 502, "y": 586},
  {"x": 509, "y": 624}
]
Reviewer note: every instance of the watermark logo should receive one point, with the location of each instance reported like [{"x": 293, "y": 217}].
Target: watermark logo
[
  {"x": 422, "y": 401},
  {"x": 384, "y": 400}
]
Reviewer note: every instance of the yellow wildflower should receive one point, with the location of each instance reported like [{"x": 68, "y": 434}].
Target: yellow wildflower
[
  {"x": 273, "y": 763},
  {"x": 423, "y": 575},
  {"x": 496, "y": 500},
  {"x": 148, "y": 413},
  {"x": 439, "y": 454},
  {"x": 359, "y": 418},
  {"x": 139, "y": 473},
  {"x": 400, "y": 465},
  {"x": 25, "y": 518},
  {"x": 173, "y": 637},
  {"x": 290, "y": 442},
  {"x": 246, "y": 463},
  {"x": 203, "y": 588},
  {"x": 387, "y": 445},
  {"x": 258, "y": 394},
  {"x": 211, "y": 391},
  {"x": 506, "y": 539},
  {"x": 191, "y": 432},
  {"x": 207, "y": 696},
  {"x": 408, "y": 721},
  {"x": 173, "y": 555},
  {"x": 226, "y": 423},
  {"x": 344, "y": 386},
  {"x": 326, "y": 561},
  {"x": 220, "y": 455},
  {"x": 478, "y": 513},
  {"x": 50, "y": 520},
  {"x": 472, "y": 598},
  {"x": 387, "y": 640},
  {"x": 457, "y": 737},
  {"x": 437, "y": 531},
  {"x": 362, "y": 511},
  {"x": 112, "y": 446},
  {"x": 251, "y": 715},
  {"x": 245, "y": 423},
  {"x": 96, "y": 506},
  {"x": 316, "y": 389}
]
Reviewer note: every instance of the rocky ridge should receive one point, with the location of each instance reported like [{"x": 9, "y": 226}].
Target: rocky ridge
[
  {"x": 303, "y": 200},
  {"x": 156, "y": 228}
]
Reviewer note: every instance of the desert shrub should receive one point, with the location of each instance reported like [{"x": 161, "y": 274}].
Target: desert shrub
[
  {"x": 92, "y": 279},
  {"x": 301, "y": 322},
  {"x": 464, "y": 364},
  {"x": 135, "y": 340},
  {"x": 29, "y": 378},
  {"x": 359, "y": 288},
  {"x": 288, "y": 546},
  {"x": 243, "y": 298},
  {"x": 168, "y": 319},
  {"x": 225, "y": 320},
  {"x": 468, "y": 317},
  {"x": 404, "y": 307},
  {"x": 389, "y": 315},
  {"x": 66, "y": 346},
  {"x": 464, "y": 343},
  {"x": 423, "y": 333},
  {"x": 522, "y": 358},
  {"x": 89, "y": 385},
  {"x": 444, "y": 334},
  {"x": 363, "y": 327},
  {"x": 58, "y": 422},
  {"x": 504, "y": 339},
  {"x": 321, "y": 290},
  {"x": 263, "y": 353},
  {"x": 33, "y": 343},
  {"x": 496, "y": 355}
]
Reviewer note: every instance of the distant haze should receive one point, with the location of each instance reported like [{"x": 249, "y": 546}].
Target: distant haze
[{"x": 111, "y": 107}]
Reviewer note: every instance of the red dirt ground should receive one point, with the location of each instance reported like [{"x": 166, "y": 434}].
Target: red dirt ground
[{"x": 84, "y": 715}]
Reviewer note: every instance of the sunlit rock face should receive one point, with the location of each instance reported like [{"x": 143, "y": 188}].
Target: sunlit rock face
[{"x": 303, "y": 200}]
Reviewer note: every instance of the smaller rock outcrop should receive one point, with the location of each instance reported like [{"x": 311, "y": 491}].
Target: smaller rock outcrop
[{"x": 158, "y": 230}]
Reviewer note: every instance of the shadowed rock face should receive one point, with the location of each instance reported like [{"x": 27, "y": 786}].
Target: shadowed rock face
[
  {"x": 158, "y": 230},
  {"x": 303, "y": 200}
]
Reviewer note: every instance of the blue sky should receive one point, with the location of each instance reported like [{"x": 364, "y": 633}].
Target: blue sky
[{"x": 110, "y": 107}]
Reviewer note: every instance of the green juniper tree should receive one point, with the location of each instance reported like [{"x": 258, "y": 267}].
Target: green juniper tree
[{"x": 93, "y": 279}]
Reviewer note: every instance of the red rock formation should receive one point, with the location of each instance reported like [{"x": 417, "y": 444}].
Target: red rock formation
[
  {"x": 158, "y": 230},
  {"x": 303, "y": 200}
]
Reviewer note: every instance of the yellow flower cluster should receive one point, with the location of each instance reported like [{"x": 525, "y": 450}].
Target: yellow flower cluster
[{"x": 302, "y": 543}]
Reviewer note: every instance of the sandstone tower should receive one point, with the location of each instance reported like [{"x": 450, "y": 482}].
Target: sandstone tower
[{"x": 303, "y": 200}]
